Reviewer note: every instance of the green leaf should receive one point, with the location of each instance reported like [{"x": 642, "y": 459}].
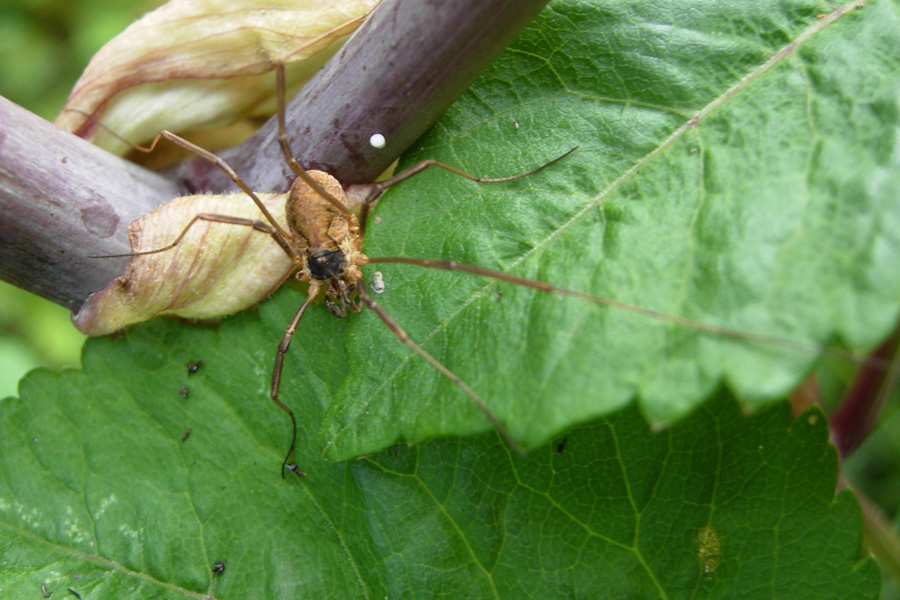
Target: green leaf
[
  {"x": 737, "y": 165},
  {"x": 773, "y": 213},
  {"x": 100, "y": 493}
]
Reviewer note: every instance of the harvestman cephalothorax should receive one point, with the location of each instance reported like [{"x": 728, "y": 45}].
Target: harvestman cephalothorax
[{"x": 324, "y": 239}]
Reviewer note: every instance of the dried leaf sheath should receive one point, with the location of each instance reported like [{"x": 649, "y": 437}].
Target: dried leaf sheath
[
  {"x": 196, "y": 64},
  {"x": 217, "y": 269}
]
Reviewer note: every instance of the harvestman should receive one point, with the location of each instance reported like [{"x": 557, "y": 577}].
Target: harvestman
[{"x": 324, "y": 240}]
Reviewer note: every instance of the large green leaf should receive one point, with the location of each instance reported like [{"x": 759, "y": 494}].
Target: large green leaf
[
  {"x": 100, "y": 493},
  {"x": 773, "y": 213},
  {"x": 737, "y": 165}
]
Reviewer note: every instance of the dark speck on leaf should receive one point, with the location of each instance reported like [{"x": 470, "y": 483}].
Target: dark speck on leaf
[{"x": 194, "y": 366}]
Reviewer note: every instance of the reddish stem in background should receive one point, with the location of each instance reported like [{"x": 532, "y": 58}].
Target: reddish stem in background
[{"x": 855, "y": 417}]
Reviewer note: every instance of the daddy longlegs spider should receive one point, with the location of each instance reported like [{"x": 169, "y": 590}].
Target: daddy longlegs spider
[{"x": 324, "y": 240}]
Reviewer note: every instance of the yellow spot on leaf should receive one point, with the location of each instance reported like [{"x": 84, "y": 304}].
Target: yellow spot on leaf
[{"x": 709, "y": 549}]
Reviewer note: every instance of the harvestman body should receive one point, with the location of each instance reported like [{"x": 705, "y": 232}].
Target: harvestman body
[{"x": 324, "y": 240}]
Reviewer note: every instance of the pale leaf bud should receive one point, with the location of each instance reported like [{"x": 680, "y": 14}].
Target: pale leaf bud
[{"x": 199, "y": 64}]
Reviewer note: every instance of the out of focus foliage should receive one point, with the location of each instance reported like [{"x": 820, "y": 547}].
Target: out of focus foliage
[
  {"x": 44, "y": 46},
  {"x": 33, "y": 332}
]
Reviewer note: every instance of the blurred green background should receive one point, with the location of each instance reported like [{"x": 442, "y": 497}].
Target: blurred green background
[{"x": 44, "y": 47}]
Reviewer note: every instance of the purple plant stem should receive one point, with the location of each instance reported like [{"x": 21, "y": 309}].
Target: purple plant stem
[
  {"x": 64, "y": 201},
  {"x": 395, "y": 76}
]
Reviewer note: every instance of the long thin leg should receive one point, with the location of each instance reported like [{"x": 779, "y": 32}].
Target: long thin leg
[
  {"x": 257, "y": 225},
  {"x": 380, "y": 187},
  {"x": 286, "y": 148},
  {"x": 276, "y": 377},
  {"x": 280, "y": 233},
  {"x": 452, "y": 265},
  {"x": 401, "y": 334},
  {"x": 430, "y": 162}
]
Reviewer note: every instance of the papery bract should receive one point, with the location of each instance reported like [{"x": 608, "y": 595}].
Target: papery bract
[
  {"x": 215, "y": 270},
  {"x": 197, "y": 64}
]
